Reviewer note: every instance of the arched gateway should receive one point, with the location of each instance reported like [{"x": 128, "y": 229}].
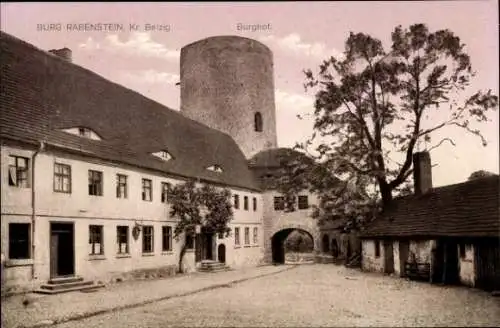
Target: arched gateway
[
  {"x": 267, "y": 167},
  {"x": 275, "y": 240},
  {"x": 278, "y": 244}
]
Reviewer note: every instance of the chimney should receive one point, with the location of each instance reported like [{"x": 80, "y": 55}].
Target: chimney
[
  {"x": 422, "y": 172},
  {"x": 64, "y": 53}
]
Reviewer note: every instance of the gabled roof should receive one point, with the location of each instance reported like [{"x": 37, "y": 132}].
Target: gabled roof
[
  {"x": 41, "y": 94},
  {"x": 468, "y": 209}
]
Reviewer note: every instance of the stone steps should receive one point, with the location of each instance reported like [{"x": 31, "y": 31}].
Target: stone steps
[
  {"x": 212, "y": 266},
  {"x": 67, "y": 284}
]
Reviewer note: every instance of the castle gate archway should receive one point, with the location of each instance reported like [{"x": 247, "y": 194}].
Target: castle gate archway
[{"x": 278, "y": 243}]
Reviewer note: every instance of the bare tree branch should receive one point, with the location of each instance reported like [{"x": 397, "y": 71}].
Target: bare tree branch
[{"x": 439, "y": 144}]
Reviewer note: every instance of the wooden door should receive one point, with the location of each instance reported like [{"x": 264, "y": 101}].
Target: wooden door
[
  {"x": 487, "y": 260},
  {"x": 209, "y": 246},
  {"x": 54, "y": 251},
  {"x": 388, "y": 257},
  {"x": 62, "y": 250},
  {"x": 452, "y": 268},
  {"x": 198, "y": 248},
  {"x": 404, "y": 249},
  {"x": 66, "y": 267},
  {"x": 221, "y": 253}
]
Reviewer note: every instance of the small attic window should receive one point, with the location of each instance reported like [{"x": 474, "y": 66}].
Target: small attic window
[
  {"x": 163, "y": 155},
  {"x": 215, "y": 168},
  {"x": 83, "y": 132}
]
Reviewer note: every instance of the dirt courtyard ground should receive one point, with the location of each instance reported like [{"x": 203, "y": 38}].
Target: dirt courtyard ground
[{"x": 311, "y": 296}]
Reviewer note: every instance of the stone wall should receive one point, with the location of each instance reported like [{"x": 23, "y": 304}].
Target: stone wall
[
  {"x": 225, "y": 81},
  {"x": 275, "y": 221},
  {"x": 371, "y": 262}
]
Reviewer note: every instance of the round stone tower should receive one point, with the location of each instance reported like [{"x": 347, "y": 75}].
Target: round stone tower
[{"x": 227, "y": 83}]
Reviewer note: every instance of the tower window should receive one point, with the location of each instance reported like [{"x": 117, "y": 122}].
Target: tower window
[{"x": 258, "y": 122}]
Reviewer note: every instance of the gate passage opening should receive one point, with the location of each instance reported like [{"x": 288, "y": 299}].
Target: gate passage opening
[{"x": 288, "y": 241}]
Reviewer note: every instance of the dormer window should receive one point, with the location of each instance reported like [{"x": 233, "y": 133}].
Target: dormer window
[
  {"x": 163, "y": 155},
  {"x": 83, "y": 132},
  {"x": 215, "y": 168}
]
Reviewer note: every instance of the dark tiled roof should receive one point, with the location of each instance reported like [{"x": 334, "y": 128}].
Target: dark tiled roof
[
  {"x": 273, "y": 158},
  {"x": 468, "y": 209},
  {"x": 42, "y": 93},
  {"x": 268, "y": 164}
]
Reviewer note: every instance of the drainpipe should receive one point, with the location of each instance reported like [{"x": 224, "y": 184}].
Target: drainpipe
[{"x": 41, "y": 147}]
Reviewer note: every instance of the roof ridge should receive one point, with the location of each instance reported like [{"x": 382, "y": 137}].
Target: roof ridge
[
  {"x": 467, "y": 182},
  {"x": 196, "y": 144},
  {"x": 90, "y": 72}
]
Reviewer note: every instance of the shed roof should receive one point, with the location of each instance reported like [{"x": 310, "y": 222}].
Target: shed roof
[
  {"x": 468, "y": 209},
  {"x": 41, "y": 94}
]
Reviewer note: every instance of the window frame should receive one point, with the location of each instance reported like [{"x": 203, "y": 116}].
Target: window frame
[
  {"x": 145, "y": 235},
  {"x": 255, "y": 235},
  {"x": 18, "y": 183},
  {"x": 92, "y": 235},
  {"x": 119, "y": 242},
  {"x": 84, "y": 132},
  {"x": 166, "y": 235},
  {"x": 377, "y": 248},
  {"x": 279, "y": 200},
  {"x": 14, "y": 253},
  {"x": 122, "y": 194},
  {"x": 245, "y": 203},
  {"x": 237, "y": 236},
  {"x": 96, "y": 185},
  {"x": 246, "y": 236},
  {"x": 62, "y": 176},
  {"x": 299, "y": 203},
  {"x": 164, "y": 191},
  {"x": 236, "y": 201},
  {"x": 254, "y": 204},
  {"x": 146, "y": 188}
]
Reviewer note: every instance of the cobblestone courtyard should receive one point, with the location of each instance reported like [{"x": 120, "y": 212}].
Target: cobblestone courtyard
[{"x": 313, "y": 295}]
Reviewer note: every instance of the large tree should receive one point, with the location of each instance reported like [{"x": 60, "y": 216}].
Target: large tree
[
  {"x": 205, "y": 206},
  {"x": 374, "y": 104}
]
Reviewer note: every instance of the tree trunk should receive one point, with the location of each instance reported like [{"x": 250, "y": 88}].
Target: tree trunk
[{"x": 181, "y": 257}]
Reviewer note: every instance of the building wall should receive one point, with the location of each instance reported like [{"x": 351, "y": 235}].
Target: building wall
[
  {"x": 371, "y": 262},
  {"x": 466, "y": 266},
  {"x": 243, "y": 255},
  {"x": 109, "y": 211},
  {"x": 332, "y": 235},
  {"x": 421, "y": 249}
]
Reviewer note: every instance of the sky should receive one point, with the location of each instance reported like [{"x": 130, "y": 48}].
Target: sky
[{"x": 300, "y": 34}]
